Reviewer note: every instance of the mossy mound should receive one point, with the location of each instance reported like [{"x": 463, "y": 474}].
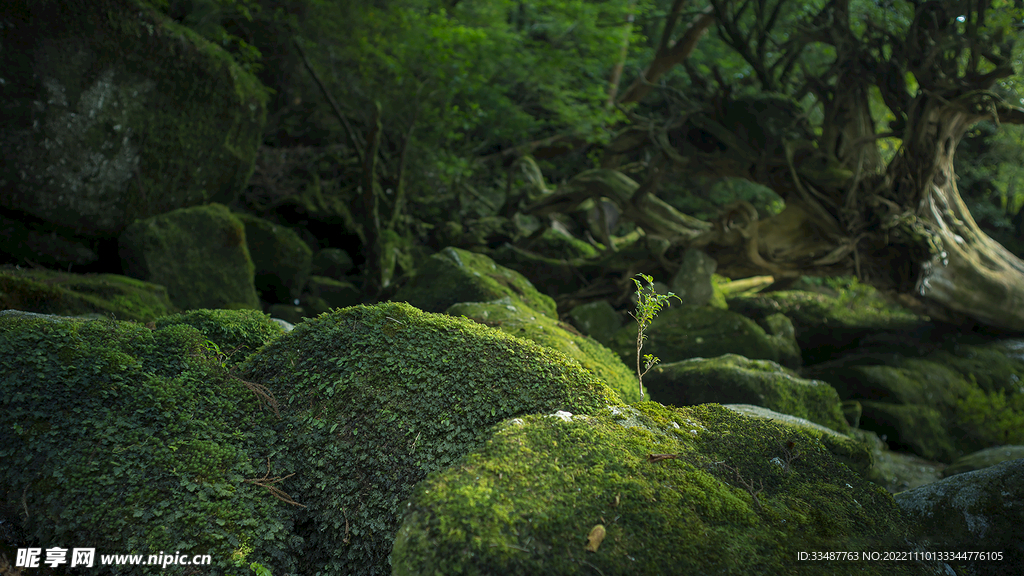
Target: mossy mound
[
  {"x": 732, "y": 379},
  {"x": 237, "y": 333},
  {"x": 696, "y": 490},
  {"x": 379, "y": 396},
  {"x": 453, "y": 275},
  {"x": 522, "y": 322},
  {"x": 199, "y": 254},
  {"x": 134, "y": 441},
  {"x": 51, "y": 292}
]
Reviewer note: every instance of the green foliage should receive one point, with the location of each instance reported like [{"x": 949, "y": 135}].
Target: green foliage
[
  {"x": 648, "y": 305},
  {"x": 235, "y": 333},
  {"x": 134, "y": 440},
  {"x": 376, "y": 397},
  {"x": 992, "y": 417}
]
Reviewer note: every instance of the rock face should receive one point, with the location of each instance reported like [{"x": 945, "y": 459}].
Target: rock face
[
  {"x": 976, "y": 511},
  {"x": 113, "y": 113},
  {"x": 122, "y": 437},
  {"x": 453, "y": 275},
  {"x": 647, "y": 490},
  {"x": 378, "y": 396},
  {"x": 199, "y": 254}
]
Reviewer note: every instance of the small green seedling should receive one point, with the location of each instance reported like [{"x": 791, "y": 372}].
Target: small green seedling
[{"x": 648, "y": 304}]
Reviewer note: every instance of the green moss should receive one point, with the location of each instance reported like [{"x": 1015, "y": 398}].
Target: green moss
[
  {"x": 238, "y": 333},
  {"x": 379, "y": 396},
  {"x": 124, "y": 438},
  {"x": 281, "y": 259},
  {"x": 523, "y": 322},
  {"x": 453, "y": 275},
  {"x": 679, "y": 333},
  {"x": 198, "y": 253},
  {"x": 730, "y": 501},
  {"x": 50, "y": 292},
  {"x": 732, "y": 379}
]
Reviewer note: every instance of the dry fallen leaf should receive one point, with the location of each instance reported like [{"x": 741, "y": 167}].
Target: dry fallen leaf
[
  {"x": 660, "y": 457},
  {"x": 595, "y": 538}
]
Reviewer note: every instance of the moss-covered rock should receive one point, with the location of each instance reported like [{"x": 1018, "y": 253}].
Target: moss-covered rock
[
  {"x": 334, "y": 293},
  {"x": 679, "y": 333},
  {"x": 118, "y": 113},
  {"x": 522, "y": 322},
  {"x": 281, "y": 259},
  {"x": 332, "y": 263},
  {"x": 454, "y": 275},
  {"x": 597, "y": 319},
  {"x": 732, "y": 379},
  {"x": 111, "y": 295},
  {"x": 379, "y": 396},
  {"x": 120, "y": 437},
  {"x": 983, "y": 459},
  {"x": 650, "y": 490},
  {"x": 237, "y": 333},
  {"x": 199, "y": 254},
  {"x": 826, "y": 324},
  {"x": 918, "y": 428}
]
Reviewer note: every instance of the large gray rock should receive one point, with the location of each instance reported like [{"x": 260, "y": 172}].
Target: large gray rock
[
  {"x": 978, "y": 511},
  {"x": 112, "y": 112}
]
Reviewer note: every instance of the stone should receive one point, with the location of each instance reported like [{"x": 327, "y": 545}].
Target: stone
[
  {"x": 199, "y": 254},
  {"x": 692, "y": 282},
  {"x": 678, "y": 333},
  {"x": 596, "y": 319},
  {"x": 332, "y": 263},
  {"x": 119, "y": 114},
  {"x": 733, "y": 379},
  {"x": 334, "y": 293},
  {"x": 694, "y": 490},
  {"x": 382, "y": 395},
  {"x": 522, "y": 322},
  {"x": 25, "y": 244},
  {"x": 984, "y": 459},
  {"x": 281, "y": 259},
  {"x": 977, "y": 511},
  {"x": 64, "y": 294},
  {"x": 454, "y": 275}
]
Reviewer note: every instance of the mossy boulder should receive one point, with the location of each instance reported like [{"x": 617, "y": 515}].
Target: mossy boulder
[
  {"x": 199, "y": 254},
  {"x": 983, "y": 459},
  {"x": 118, "y": 113},
  {"x": 597, "y": 319},
  {"x": 733, "y": 379},
  {"x": 237, "y": 333},
  {"x": 679, "y": 333},
  {"x": 111, "y": 295},
  {"x": 522, "y": 322},
  {"x": 647, "y": 490},
  {"x": 333, "y": 293},
  {"x": 281, "y": 259},
  {"x": 332, "y": 263},
  {"x": 379, "y": 396},
  {"x": 951, "y": 402},
  {"x": 828, "y": 323},
  {"x": 454, "y": 275},
  {"x": 121, "y": 437}
]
